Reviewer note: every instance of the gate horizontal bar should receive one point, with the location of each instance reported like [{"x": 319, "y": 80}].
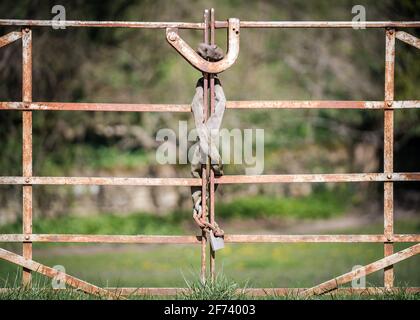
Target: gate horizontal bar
[
  {"x": 318, "y": 238},
  {"x": 90, "y": 238},
  {"x": 228, "y": 179},
  {"x": 229, "y": 238},
  {"x": 82, "y": 106},
  {"x": 101, "y": 24},
  {"x": 218, "y": 24},
  {"x": 323, "y": 24},
  {"x": 321, "y": 104},
  {"x": 318, "y": 178},
  {"x": 267, "y": 104},
  {"x": 103, "y": 181}
]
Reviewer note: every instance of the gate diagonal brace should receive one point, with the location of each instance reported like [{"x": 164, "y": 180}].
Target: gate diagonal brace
[
  {"x": 9, "y": 38},
  {"x": 53, "y": 273},
  {"x": 362, "y": 271},
  {"x": 408, "y": 38},
  {"x": 196, "y": 60}
]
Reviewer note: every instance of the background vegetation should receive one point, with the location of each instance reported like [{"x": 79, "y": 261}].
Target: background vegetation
[
  {"x": 132, "y": 65},
  {"x": 138, "y": 66}
]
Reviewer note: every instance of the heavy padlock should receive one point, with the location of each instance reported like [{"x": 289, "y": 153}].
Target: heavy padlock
[{"x": 216, "y": 243}]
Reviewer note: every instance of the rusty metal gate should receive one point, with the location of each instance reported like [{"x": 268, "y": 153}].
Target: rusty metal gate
[{"x": 393, "y": 31}]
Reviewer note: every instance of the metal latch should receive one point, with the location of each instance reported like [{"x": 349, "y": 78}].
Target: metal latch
[{"x": 198, "y": 62}]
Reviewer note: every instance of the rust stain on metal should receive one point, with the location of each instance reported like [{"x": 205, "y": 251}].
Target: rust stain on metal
[
  {"x": 406, "y": 104},
  {"x": 27, "y": 148},
  {"x": 389, "y": 152},
  {"x": 322, "y": 24},
  {"x": 389, "y": 65},
  {"x": 227, "y": 179},
  {"x": 408, "y": 38},
  {"x": 316, "y": 178},
  {"x": 86, "y": 238},
  {"x": 10, "y": 38},
  {"x": 218, "y": 24},
  {"x": 411, "y": 175},
  {"x": 277, "y": 104},
  {"x": 229, "y": 238},
  {"x": 318, "y": 238},
  {"x": 126, "y": 107},
  {"x": 311, "y": 104},
  {"x": 102, "y": 181},
  {"x": 102, "y": 24}
]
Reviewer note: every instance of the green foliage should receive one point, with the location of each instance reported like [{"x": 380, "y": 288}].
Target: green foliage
[
  {"x": 87, "y": 157},
  {"x": 139, "y": 223},
  {"x": 318, "y": 205},
  {"x": 135, "y": 66}
]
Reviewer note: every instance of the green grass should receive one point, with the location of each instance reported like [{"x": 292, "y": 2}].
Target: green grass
[
  {"x": 222, "y": 288},
  {"x": 249, "y": 265},
  {"x": 322, "y": 204},
  {"x": 254, "y": 265}
]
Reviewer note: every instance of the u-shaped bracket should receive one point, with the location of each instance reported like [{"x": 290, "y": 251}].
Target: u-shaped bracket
[{"x": 196, "y": 60}]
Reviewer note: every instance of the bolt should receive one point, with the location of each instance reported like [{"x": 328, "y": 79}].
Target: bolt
[
  {"x": 26, "y": 237},
  {"x": 27, "y": 180},
  {"x": 389, "y": 104},
  {"x": 389, "y": 176},
  {"x": 391, "y": 31},
  {"x": 172, "y": 36},
  {"x": 26, "y": 105},
  {"x": 26, "y": 29}
]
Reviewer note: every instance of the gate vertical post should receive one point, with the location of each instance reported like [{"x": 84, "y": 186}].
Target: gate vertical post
[
  {"x": 203, "y": 166},
  {"x": 212, "y": 107},
  {"x": 389, "y": 152},
  {"x": 27, "y": 150}
]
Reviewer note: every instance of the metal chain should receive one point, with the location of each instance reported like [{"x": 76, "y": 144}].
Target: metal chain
[
  {"x": 205, "y": 225},
  {"x": 207, "y": 132}
]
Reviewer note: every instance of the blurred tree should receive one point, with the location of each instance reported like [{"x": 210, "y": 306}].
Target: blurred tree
[{"x": 121, "y": 65}]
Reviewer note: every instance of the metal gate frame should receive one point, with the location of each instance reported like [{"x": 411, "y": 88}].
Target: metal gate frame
[{"x": 208, "y": 26}]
